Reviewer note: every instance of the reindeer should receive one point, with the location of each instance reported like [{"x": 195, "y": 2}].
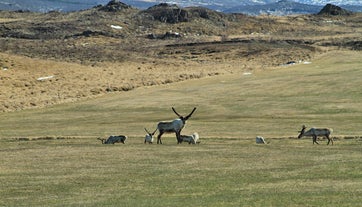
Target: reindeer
[
  {"x": 315, "y": 132},
  {"x": 113, "y": 139},
  {"x": 149, "y": 136},
  {"x": 260, "y": 140},
  {"x": 191, "y": 139},
  {"x": 173, "y": 126}
]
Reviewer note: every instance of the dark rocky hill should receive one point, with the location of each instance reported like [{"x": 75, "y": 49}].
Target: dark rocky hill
[
  {"x": 56, "y": 34},
  {"x": 331, "y": 9}
]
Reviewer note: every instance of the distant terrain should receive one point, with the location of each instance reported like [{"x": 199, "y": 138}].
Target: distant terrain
[
  {"x": 251, "y": 7},
  {"x": 54, "y": 57}
]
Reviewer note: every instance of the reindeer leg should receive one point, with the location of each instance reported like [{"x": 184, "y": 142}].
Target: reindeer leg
[
  {"x": 159, "y": 141},
  {"x": 315, "y": 139},
  {"x": 178, "y": 137},
  {"x": 329, "y": 139}
]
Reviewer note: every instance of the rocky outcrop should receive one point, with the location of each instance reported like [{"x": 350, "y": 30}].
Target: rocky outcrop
[
  {"x": 114, "y": 6},
  {"x": 334, "y": 10},
  {"x": 167, "y": 13}
]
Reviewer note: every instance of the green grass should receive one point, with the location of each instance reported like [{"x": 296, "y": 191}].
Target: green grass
[
  {"x": 227, "y": 172},
  {"x": 226, "y": 169}
]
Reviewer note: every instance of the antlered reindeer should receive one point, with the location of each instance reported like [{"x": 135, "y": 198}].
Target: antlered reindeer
[
  {"x": 114, "y": 139},
  {"x": 149, "y": 136},
  {"x": 315, "y": 132},
  {"x": 174, "y": 126}
]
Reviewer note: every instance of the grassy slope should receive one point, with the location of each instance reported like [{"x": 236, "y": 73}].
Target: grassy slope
[
  {"x": 218, "y": 172},
  {"x": 276, "y": 104}
]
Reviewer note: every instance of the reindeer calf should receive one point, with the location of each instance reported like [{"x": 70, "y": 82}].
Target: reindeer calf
[
  {"x": 260, "y": 140},
  {"x": 191, "y": 139}
]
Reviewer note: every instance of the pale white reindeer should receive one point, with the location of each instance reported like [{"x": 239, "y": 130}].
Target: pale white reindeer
[
  {"x": 191, "y": 139},
  {"x": 260, "y": 140},
  {"x": 174, "y": 126},
  {"x": 149, "y": 136},
  {"x": 315, "y": 132}
]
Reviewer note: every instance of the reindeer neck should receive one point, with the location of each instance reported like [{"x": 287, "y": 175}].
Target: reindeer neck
[{"x": 301, "y": 133}]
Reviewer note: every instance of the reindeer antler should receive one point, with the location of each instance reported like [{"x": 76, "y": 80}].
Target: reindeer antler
[
  {"x": 149, "y": 132},
  {"x": 173, "y": 109},
  {"x": 188, "y": 116},
  {"x": 181, "y": 117},
  {"x": 102, "y": 140}
]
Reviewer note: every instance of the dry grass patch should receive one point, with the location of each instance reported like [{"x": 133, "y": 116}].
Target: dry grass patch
[{"x": 68, "y": 82}]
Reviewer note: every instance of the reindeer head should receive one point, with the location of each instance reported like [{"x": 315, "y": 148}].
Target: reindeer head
[
  {"x": 184, "y": 119},
  {"x": 149, "y": 136},
  {"x": 149, "y": 133},
  {"x": 102, "y": 140},
  {"x": 301, "y": 132}
]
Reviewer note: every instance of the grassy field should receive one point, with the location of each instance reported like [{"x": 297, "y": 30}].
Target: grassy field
[
  {"x": 67, "y": 166},
  {"x": 224, "y": 172}
]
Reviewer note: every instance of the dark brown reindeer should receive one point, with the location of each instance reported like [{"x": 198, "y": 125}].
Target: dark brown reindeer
[
  {"x": 114, "y": 139},
  {"x": 315, "y": 132},
  {"x": 174, "y": 126}
]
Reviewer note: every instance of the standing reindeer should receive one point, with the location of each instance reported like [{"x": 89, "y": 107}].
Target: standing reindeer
[
  {"x": 315, "y": 132},
  {"x": 149, "y": 136},
  {"x": 173, "y": 126}
]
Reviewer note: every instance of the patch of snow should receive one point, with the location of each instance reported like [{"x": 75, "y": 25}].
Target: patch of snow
[
  {"x": 116, "y": 27},
  {"x": 45, "y": 78}
]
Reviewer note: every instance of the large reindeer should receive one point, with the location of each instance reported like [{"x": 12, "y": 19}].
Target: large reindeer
[
  {"x": 315, "y": 132},
  {"x": 174, "y": 126}
]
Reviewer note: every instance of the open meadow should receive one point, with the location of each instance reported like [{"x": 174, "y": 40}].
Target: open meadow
[
  {"x": 51, "y": 157},
  {"x": 67, "y": 79}
]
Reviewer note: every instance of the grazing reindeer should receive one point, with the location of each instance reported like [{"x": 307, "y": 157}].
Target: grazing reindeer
[
  {"x": 149, "y": 136},
  {"x": 191, "y": 139},
  {"x": 113, "y": 139},
  {"x": 173, "y": 126},
  {"x": 260, "y": 140},
  {"x": 315, "y": 132}
]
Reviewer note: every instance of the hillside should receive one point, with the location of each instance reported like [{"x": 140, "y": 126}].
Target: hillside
[
  {"x": 245, "y": 6},
  {"x": 50, "y": 58}
]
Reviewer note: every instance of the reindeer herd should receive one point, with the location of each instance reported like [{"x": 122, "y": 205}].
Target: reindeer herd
[{"x": 176, "y": 126}]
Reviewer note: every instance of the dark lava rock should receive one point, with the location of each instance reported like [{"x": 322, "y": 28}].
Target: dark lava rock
[
  {"x": 334, "y": 10},
  {"x": 114, "y": 6},
  {"x": 168, "y": 13}
]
